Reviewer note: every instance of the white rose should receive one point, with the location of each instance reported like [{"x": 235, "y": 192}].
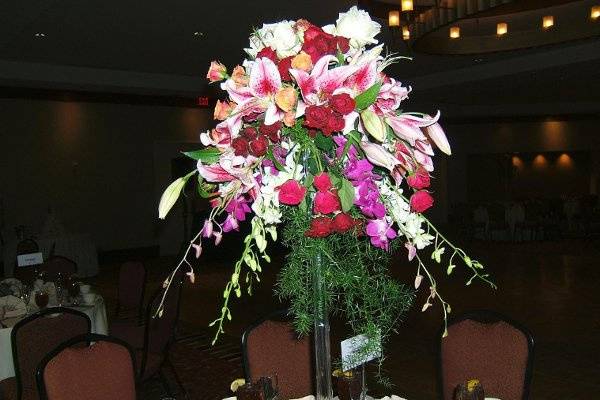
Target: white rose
[
  {"x": 280, "y": 36},
  {"x": 285, "y": 40},
  {"x": 357, "y": 26}
]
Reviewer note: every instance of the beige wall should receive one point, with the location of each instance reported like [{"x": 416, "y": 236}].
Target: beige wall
[{"x": 100, "y": 166}]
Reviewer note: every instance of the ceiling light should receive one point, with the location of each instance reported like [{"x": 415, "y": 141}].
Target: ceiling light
[
  {"x": 501, "y": 28},
  {"x": 394, "y": 18},
  {"x": 407, "y": 5},
  {"x": 40, "y": 35},
  {"x": 454, "y": 32},
  {"x": 405, "y": 33},
  {"x": 198, "y": 33},
  {"x": 595, "y": 12},
  {"x": 548, "y": 22}
]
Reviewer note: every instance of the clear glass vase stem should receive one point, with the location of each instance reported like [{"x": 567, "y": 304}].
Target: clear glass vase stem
[{"x": 321, "y": 334}]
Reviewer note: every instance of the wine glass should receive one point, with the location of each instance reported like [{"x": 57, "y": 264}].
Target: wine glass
[
  {"x": 26, "y": 295},
  {"x": 41, "y": 299}
]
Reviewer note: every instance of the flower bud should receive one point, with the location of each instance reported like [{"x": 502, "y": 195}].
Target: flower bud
[{"x": 373, "y": 124}]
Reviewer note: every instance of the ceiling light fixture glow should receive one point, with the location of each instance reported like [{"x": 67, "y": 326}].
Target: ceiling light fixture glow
[
  {"x": 394, "y": 18},
  {"x": 454, "y": 32},
  {"x": 407, "y": 5},
  {"x": 405, "y": 33},
  {"x": 595, "y": 12},
  {"x": 548, "y": 22},
  {"x": 501, "y": 28}
]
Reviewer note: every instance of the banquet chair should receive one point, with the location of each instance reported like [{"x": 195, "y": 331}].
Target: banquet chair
[
  {"x": 271, "y": 348},
  {"x": 490, "y": 347},
  {"x": 132, "y": 282},
  {"x": 33, "y": 337},
  {"x": 56, "y": 265},
  {"x": 91, "y": 367}
]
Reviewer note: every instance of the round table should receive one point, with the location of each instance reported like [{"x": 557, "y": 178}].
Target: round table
[{"x": 96, "y": 312}]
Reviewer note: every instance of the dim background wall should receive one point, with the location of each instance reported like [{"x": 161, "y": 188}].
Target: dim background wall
[{"x": 101, "y": 167}]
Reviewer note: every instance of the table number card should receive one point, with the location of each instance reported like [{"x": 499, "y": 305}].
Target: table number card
[
  {"x": 25, "y": 260},
  {"x": 351, "y": 354}
]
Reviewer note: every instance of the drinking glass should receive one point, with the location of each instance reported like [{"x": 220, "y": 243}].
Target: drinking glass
[
  {"x": 26, "y": 295},
  {"x": 41, "y": 299}
]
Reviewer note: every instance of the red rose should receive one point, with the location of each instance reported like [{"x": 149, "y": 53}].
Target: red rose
[
  {"x": 284, "y": 68},
  {"x": 326, "y": 203},
  {"x": 335, "y": 123},
  {"x": 317, "y": 47},
  {"x": 421, "y": 201},
  {"x": 258, "y": 147},
  {"x": 419, "y": 179},
  {"x": 319, "y": 227},
  {"x": 342, "y": 103},
  {"x": 249, "y": 133},
  {"x": 312, "y": 32},
  {"x": 240, "y": 146},
  {"x": 343, "y": 44},
  {"x": 343, "y": 223},
  {"x": 291, "y": 193},
  {"x": 269, "y": 53},
  {"x": 272, "y": 131},
  {"x": 322, "y": 182},
  {"x": 316, "y": 116}
]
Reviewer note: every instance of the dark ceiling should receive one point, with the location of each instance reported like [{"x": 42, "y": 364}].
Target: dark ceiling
[{"x": 150, "y": 47}]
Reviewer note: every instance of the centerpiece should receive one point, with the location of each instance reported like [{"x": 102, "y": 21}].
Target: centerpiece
[{"x": 313, "y": 147}]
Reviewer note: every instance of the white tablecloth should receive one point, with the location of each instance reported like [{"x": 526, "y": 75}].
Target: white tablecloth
[
  {"x": 77, "y": 247},
  {"x": 97, "y": 314}
]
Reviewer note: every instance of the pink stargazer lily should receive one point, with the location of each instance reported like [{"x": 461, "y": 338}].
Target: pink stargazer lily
[
  {"x": 438, "y": 137},
  {"x": 259, "y": 95},
  {"x": 321, "y": 79},
  {"x": 379, "y": 156},
  {"x": 408, "y": 126},
  {"x": 230, "y": 168}
]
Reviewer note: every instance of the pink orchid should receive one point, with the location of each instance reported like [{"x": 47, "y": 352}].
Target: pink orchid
[
  {"x": 197, "y": 249},
  {"x": 380, "y": 231}
]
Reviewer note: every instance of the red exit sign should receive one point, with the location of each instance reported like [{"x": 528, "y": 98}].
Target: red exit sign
[{"x": 202, "y": 101}]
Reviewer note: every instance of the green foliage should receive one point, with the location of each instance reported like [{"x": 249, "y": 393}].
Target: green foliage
[
  {"x": 368, "y": 97},
  {"x": 354, "y": 275},
  {"x": 209, "y": 155}
]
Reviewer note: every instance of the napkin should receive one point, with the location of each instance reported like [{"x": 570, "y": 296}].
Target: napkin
[{"x": 15, "y": 307}]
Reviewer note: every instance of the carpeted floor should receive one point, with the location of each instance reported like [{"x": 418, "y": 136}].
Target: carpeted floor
[{"x": 549, "y": 286}]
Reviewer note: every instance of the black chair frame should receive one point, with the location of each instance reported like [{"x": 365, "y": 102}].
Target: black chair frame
[
  {"x": 279, "y": 315},
  {"x": 87, "y": 339},
  {"x": 488, "y": 317},
  {"x": 166, "y": 361},
  {"x": 40, "y": 314},
  {"x": 140, "y": 307}
]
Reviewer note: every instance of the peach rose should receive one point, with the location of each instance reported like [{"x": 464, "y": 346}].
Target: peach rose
[
  {"x": 223, "y": 109},
  {"x": 239, "y": 76},
  {"x": 216, "y": 72},
  {"x": 286, "y": 98},
  {"x": 289, "y": 118},
  {"x": 302, "y": 61}
]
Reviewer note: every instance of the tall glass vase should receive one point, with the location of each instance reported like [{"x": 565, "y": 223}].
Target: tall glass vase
[{"x": 321, "y": 333}]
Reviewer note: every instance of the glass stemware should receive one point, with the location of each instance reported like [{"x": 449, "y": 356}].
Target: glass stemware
[{"x": 26, "y": 295}]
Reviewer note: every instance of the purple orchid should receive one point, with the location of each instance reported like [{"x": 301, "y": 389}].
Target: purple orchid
[
  {"x": 381, "y": 232},
  {"x": 237, "y": 209}
]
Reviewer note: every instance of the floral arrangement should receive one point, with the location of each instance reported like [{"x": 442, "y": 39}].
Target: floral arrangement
[{"x": 312, "y": 138}]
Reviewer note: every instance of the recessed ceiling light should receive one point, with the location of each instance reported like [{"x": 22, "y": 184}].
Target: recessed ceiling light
[
  {"x": 198, "y": 34},
  {"x": 40, "y": 34}
]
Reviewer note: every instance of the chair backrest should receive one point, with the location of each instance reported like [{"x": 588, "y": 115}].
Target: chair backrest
[
  {"x": 490, "y": 347},
  {"x": 58, "y": 265},
  {"x": 103, "y": 370},
  {"x": 33, "y": 337},
  {"x": 27, "y": 246},
  {"x": 132, "y": 281},
  {"x": 271, "y": 348},
  {"x": 160, "y": 330}
]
